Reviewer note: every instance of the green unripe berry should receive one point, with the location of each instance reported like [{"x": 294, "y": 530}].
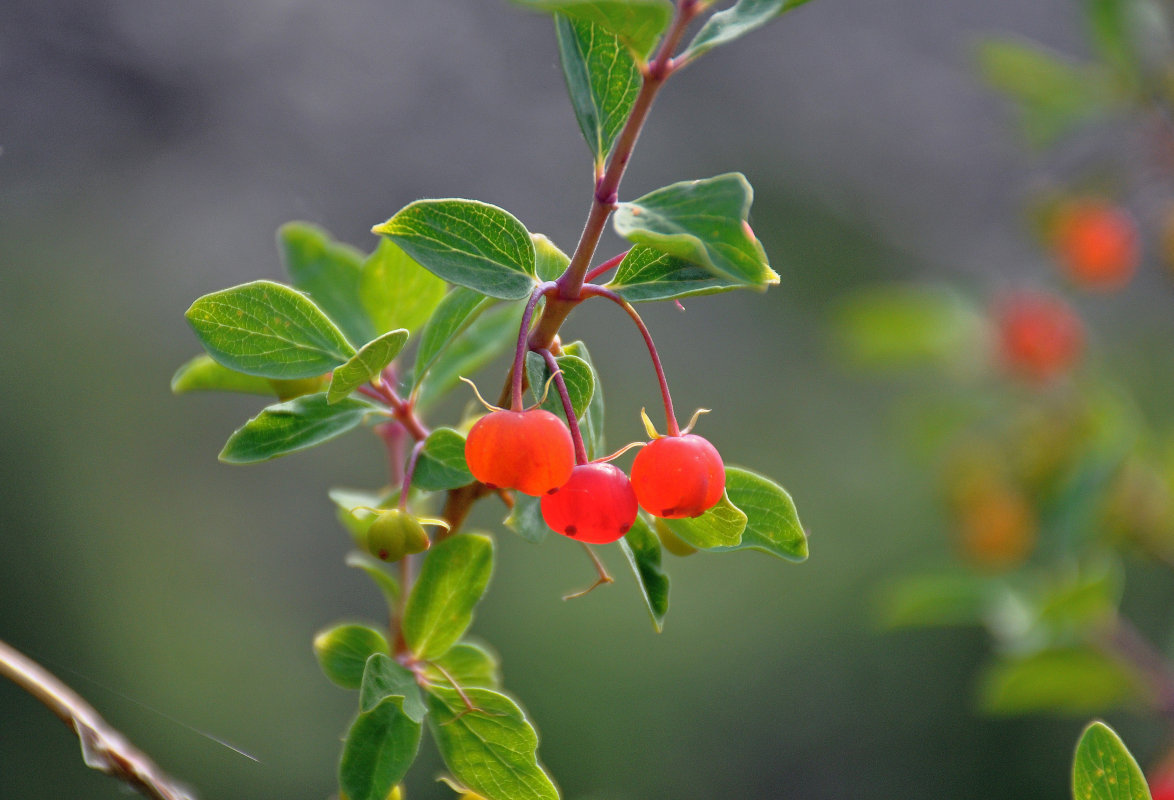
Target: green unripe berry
[{"x": 395, "y": 534}]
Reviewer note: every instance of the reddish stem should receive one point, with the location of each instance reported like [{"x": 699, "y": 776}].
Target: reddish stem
[
  {"x": 409, "y": 471},
  {"x": 520, "y": 351},
  {"x": 604, "y": 267},
  {"x": 670, "y": 416},
  {"x": 568, "y": 407}
]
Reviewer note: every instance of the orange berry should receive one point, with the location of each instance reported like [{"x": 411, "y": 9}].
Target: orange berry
[
  {"x": 597, "y": 505},
  {"x": 678, "y": 476},
  {"x": 1040, "y": 336},
  {"x": 1097, "y": 244},
  {"x": 530, "y": 451}
]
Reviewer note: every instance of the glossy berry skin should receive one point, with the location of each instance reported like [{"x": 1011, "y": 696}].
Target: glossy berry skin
[
  {"x": 530, "y": 451},
  {"x": 597, "y": 505},
  {"x": 1040, "y": 337},
  {"x": 1097, "y": 244},
  {"x": 678, "y": 476},
  {"x": 395, "y": 534}
]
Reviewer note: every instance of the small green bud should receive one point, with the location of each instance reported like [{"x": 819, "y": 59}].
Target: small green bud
[{"x": 395, "y": 534}]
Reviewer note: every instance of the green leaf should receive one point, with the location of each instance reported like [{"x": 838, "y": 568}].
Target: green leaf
[
  {"x": 906, "y": 325},
  {"x": 720, "y": 527},
  {"x": 576, "y": 374},
  {"x": 365, "y": 364},
  {"x": 489, "y": 336},
  {"x": 642, "y": 548},
  {"x": 384, "y": 678},
  {"x": 202, "y": 374},
  {"x": 647, "y": 274},
  {"x": 591, "y": 423},
  {"x": 1104, "y": 769},
  {"x": 946, "y": 598},
  {"x": 743, "y": 17},
  {"x": 549, "y": 261},
  {"x": 396, "y": 292},
  {"x": 291, "y": 426},
  {"x": 1111, "y": 25},
  {"x": 380, "y": 746},
  {"x": 772, "y": 524},
  {"x": 468, "y": 664},
  {"x": 452, "y": 317},
  {"x": 343, "y": 650},
  {"x": 1071, "y": 680},
  {"x": 638, "y": 23},
  {"x": 264, "y": 328},
  {"x": 328, "y": 272},
  {"x": 525, "y": 518},
  {"x": 602, "y": 79},
  {"x": 387, "y": 584},
  {"x": 452, "y": 580},
  {"x": 441, "y": 464},
  {"x": 491, "y": 749},
  {"x": 702, "y": 222},
  {"x": 469, "y": 243},
  {"x": 1053, "y": 94}
]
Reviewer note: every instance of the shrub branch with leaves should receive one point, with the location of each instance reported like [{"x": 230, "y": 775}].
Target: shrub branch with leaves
[{"x": 454, "y": 283}]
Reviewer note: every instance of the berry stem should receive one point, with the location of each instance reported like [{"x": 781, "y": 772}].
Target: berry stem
[
  {"x": 568, "y": 408},
  {"x": 591, "y": 290},
  {"x": 520, "y": 351},
  {"x": 409, "y": 471},
  {"x": 601, "y": 575},
  {"x": 604, "y": 267}
]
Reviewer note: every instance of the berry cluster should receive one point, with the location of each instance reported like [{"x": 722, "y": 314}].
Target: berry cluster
[{"x": 532, "y": 452}]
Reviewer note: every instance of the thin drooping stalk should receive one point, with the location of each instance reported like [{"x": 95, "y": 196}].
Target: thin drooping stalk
[
  {"x": 520, "y": 351},
  {"x": 670, "y": 416},
  {"x": 560, "y": 386},
  {"x": 103, "y": 748},
  {"x": 605, "y": 266}
]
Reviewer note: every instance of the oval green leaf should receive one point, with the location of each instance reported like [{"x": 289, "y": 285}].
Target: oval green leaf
[
  {"x": 328, "y": 271},
  {"x": 343, "y": 650},
  {"x": 452, "y": 580},
  {"x": 642, "y": 549},
  {"x": 577, "y": 375},
  {"x": 1070, "y": 680},
  {"x": 380, "y": 746},
  {"x": 467, "y": 242},
  {"x": 467, "y": 663},
  {"x": 602, "y": 79},
  {"x": 647, "y": 274},
  {"x": 638, "y": 23},
  {"x": 492, "y": 749},
  {"x": 397, "y": 292},
  {"x": 266, "y": 329},
  {"x": 202, "y": 374},
  {"x": 365, "y": 364},
  {"x": 591, "y": 423},
  {"x": 487, "y": 337},
  {"x": 525, "y": 519},
  {"x": 734, "y": 22},
  {"x": 718, "y": 528},
  {"x": 772, "y": 524},
  {"x": 1104, "y": 769},
  {"x": 291, "y": 426},
  {"x": 549, "y": 261},
  {"x": 455, "y": 313},
  {"x": 704, "y": 223},
  {"x": 382, "y": 679},
  {"x": 441, "y": 464}
]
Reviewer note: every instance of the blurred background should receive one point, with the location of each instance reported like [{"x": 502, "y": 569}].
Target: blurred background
[{"x": 149, "y": 152}]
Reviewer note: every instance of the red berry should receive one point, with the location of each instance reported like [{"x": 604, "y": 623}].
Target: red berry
[
  {"x": 1040, "y": 336},
  {"x": 678, "y": 476},
  {"x": 530, "y": 451},
  {"x": 597, "y": 505},
  {"x": 1097, "y": 244}
]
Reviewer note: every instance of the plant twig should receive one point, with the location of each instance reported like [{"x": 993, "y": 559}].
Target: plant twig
[
  {"x": 1120, "y": 639},
  {"x": 103, "y": 748}
]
